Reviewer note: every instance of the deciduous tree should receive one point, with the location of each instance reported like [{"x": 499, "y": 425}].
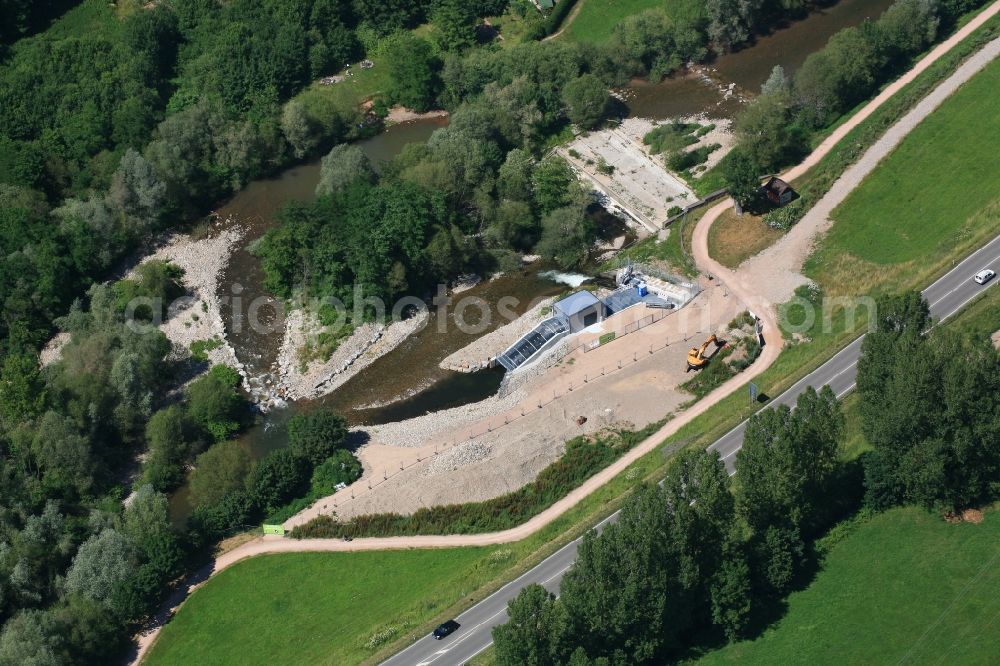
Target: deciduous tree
[
  {"x": 343, "y": 165},
  {"x": 535, "y": 631},
  {"x": 317, "y": 434},
  {"x": 586, "y": 99}
]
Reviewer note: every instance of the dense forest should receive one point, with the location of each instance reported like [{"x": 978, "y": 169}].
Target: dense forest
[
  {"x": 708, "y": 558},
  {"x": 121, "y": 121}
]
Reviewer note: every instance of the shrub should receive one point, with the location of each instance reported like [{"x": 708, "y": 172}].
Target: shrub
[
  {"x": 155, "y": 280},
  {"x": 583, "y": 458},
  {"x": 682, "y": 161},
  {"x": 341, "y": 467},
  {"x": 711, "y": 376},
  {"x": 219, "y": 471},
  {"x": 280, "y": 476},
  {"x": 316, "y": 435},
  {"x": 200, "y": 348},
  {"x": 670, "y": 138},
  {"x": 741, "y": 320},
  {"x": 214, "y": 403},
  {"x": 783, "y": 218}
]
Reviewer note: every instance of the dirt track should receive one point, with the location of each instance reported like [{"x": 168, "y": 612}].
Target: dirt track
[{"x": 739, "y": 287}]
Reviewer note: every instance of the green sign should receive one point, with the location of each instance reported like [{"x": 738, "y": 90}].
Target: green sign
[{"x": 274, "y": 529}]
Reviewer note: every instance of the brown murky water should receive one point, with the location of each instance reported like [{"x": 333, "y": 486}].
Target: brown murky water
[
  {"x": 407, "y": 381},
  {"x": 787, "y": 45},
  {"x": 254, "y": 209},
  {"x": 406, "y": 373}
]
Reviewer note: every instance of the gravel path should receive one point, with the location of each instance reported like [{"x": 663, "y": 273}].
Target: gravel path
[
  {"x": 266, "y": 545},
  {"x": 777, "y": 270}
]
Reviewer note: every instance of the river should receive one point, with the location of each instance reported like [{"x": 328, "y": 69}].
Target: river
[
  {"x": 408, "y": 381},
  {"x": 704, "y": 89}
]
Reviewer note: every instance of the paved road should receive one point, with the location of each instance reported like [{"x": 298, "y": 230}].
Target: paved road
[{"x": 946, "y": 297}]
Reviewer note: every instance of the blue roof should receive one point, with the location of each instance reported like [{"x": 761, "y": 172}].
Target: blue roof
[{"x": 578, "y": 302}]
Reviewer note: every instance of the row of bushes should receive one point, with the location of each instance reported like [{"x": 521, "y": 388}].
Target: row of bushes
[{"x": 583, "y": 458}]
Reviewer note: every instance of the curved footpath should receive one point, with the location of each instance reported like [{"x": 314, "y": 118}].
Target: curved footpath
[{"x": 740, "y": 288}]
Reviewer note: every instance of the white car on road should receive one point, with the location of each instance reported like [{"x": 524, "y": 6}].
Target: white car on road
[{"x": 984, "y": 276}]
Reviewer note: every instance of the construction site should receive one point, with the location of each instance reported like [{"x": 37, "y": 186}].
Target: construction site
[
  {"x": 634, "y": 183},
  {"x": 611, "y": 357}
]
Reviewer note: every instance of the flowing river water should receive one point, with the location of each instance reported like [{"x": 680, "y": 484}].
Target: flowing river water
[
  {"x": 408, "y": 381},
  {"x": 704, "y": 90}
]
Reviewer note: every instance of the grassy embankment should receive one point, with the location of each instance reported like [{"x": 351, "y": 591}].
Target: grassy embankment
[
  {"x": 956, "y": 129},
  {"x": 673, "y": 253},
  {"x": 734, "y": 239},
  {"x": 937, "y": 194},
  {"x": 902, "y": 586}
]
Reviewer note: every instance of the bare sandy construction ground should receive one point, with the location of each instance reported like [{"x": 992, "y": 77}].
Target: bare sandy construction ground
[
  {"x": 640, "y": 183},
  {"x": 479, "y": 451}
]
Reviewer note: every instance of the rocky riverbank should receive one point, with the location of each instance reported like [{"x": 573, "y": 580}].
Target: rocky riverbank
[
  {"x": 480, "y": 352},
  {"x": 368, "y": 342},
  {"x": 197, "y": 316}
]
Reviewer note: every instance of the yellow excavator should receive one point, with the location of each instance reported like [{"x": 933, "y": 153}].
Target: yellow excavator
[{"x": 696, "y": 356}]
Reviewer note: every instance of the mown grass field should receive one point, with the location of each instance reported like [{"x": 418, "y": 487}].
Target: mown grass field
[
  {"x": 817, "y": 180},
  {"x": 319, "y": 608},
  {"x": 311, "y": 614},
  {"x": 903, "y": 587},
  {"x": 921, "y": 198},
  {"x": 937, "y": 196},
  {"x": 595, "y": 20}
]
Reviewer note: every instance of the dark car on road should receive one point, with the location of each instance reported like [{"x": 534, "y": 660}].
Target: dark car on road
[{"x": 446, "y": 629}]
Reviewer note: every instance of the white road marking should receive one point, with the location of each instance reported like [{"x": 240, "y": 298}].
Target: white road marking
[
  {"x": 793, "y": 388},
  {"x": 468, "y": 633},
  {"x": 963, "y": 284},
  {"x": 557, "y": 574},
  {"x": 846, "y": 390},
  {"x": 474, "y": 654},
  {"x": 964, "y": 261}
]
